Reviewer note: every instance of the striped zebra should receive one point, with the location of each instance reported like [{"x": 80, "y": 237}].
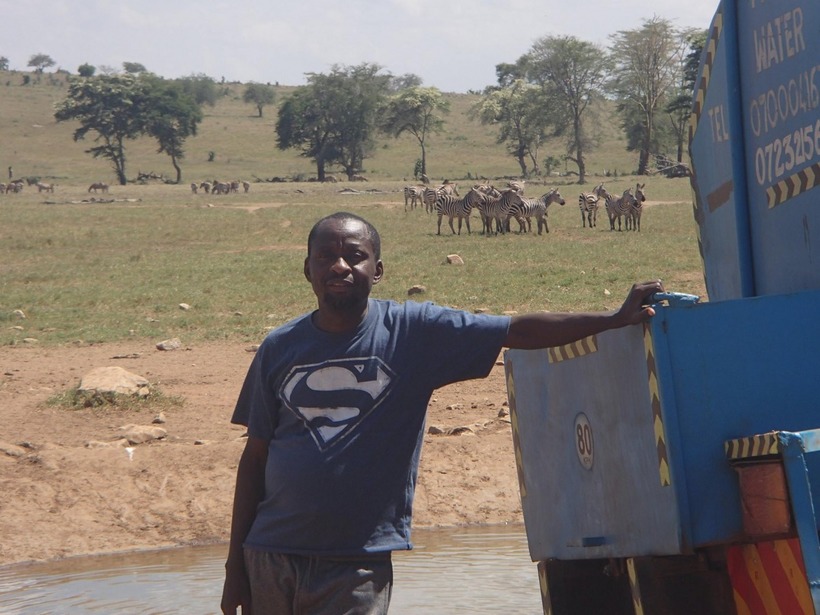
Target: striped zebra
[
  {"x": 517, "y": 185},
  {"x": 413, "y": 195},
  {"x": 497, "y": 207},
  {"x": 538, "y": 208},
  {"x": 429, "y": 197},
  {"x": 454, "y": 207},
  {"x": 619, "y": 206},
  {"x": 588, "y": 204},
  {"x": 633, "y": 220}
]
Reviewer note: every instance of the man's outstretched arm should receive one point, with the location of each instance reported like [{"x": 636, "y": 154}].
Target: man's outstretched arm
[{"x": 549, "y": 329}]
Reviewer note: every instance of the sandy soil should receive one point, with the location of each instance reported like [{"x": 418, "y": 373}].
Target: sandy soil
[{"x": 69, "y": 489}]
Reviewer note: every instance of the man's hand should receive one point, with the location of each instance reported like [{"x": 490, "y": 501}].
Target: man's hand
[{"x": 635, "y": 309}]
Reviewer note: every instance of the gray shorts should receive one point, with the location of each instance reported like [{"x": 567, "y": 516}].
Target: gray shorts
[{"x": 283, "y": 584}]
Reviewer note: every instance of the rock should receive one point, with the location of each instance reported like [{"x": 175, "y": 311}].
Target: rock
[
  {"x": 159, "y": 419},
  {"x": 184, "y": 306},
  {"x": 20, "y": 314},
  {"x": 114, "y": 380},
  {"x": 454, "y": 259},
  {"x": 139, "y": 434},
  {"x": 171, "y": 344},
  {"x": 418, "y": 289}
]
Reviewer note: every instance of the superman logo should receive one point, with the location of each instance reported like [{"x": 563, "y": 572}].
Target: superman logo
[{"x": 333, "y": 397}]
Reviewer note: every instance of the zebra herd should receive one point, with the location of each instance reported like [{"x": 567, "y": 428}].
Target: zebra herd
[
  {"x": 498, "y": 207},
  {"x": 628, "y": 206}
]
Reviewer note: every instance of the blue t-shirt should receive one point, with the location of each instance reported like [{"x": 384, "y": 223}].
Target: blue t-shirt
[{"x": 344, "y": 414}]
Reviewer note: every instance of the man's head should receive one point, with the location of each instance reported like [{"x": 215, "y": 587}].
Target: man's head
[{"x": 342, "y": 266}]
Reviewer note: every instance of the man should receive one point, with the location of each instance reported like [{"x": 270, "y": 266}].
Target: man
[{"x": 335, "y": 403}]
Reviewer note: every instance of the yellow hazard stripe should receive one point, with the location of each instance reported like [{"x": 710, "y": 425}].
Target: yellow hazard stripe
[
  {"x": 795, "y": 184},
  {"x": 586, "y": 346},
  {"x": 657, "y": 416},
  {"x": 546, "y": 601},
  {"x": 519, "y": 457},
  {"x": 634, "y": 586},
  {"x": 754, "y": 446},
  {"x": 706, "y": 74}
]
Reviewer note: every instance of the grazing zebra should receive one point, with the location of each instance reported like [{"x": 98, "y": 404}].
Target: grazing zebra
[
  {"x": 453, "y": 207},
  {"x": 428, "y": 197},
  {"x": 588, "y": 204},
  {"x": 497, "y": 206},
  {"x": 412, "y": 195},
  {"x": 619, "y": 206},
  {"x": 449, "y": 188},
  {"x": 538, "y": 208},
  {"x": 633, "y": 220}
]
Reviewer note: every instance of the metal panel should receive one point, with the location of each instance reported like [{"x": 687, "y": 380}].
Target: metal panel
[
  {"x": 779, "y": 49},
  {"x": 716, "y": 150},
  {"x": 591, "y": 483},
  {"x": 590, "y": 448}
]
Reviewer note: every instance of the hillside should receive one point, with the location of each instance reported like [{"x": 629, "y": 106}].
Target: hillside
[{"x": 244, "y": 145}]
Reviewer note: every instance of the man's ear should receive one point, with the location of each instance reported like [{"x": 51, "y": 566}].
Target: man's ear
[
  {"x": 306, "y": 270},
  {"x": 377, "y": 276}
]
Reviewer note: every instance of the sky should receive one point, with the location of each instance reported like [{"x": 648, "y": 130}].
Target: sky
[{"x": 453, "y": 45}]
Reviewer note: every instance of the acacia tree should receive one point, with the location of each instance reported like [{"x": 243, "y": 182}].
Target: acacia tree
[
  {"x": 4, "y": 63},
  {"x": 644, "y": 73},
  {"x": 259, "y": 95},
  {"x": 171, "y": 116},
  {"x": 572, "y": 74},
  {"x": 521, "y": 117},
  {"x": 118, "y": 108},
  {"x": 415, "y": 110},
  {"x": 41, "y": 61},
  {"x": 334, "y": 118},
  {"x": 109, "y": 107}
]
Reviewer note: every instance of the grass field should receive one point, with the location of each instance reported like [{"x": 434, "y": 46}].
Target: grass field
[{"x": 86, "y": 272}]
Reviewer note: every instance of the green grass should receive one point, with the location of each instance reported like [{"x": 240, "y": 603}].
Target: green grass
[{"x": 88, "y": 272}]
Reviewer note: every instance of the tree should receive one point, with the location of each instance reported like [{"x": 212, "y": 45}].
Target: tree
[
  {"x": 572, "y": 74},
  {"x": 521, "y": 118},
  {"x": 108, "y": 106},
  {"x": 259, "y": 95},
  {"x": 201, "y": 88},
  {"x": 86, "y": 70},
  {"x": 333, "y": 119},
  {"x": 40, "y": 62},
  {"x": 4, "y": 63},
  {"x": 402, "y": 82},
  {"x": 171, "y": 116},
  {"x": 118, "y": 108},
  {"x": 133, "y": 68},
  {"x": 415, "y": 110},
  {"x": 645, "y": 61},
  {"x": 679, "y": 108}
]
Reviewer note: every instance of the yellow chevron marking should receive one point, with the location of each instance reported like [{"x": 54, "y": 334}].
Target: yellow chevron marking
[
  {"x": 634, "y": 586},
  {"x": 793, "y": 185},
  {"x": 657, "y": 416},
  {"x": 519, "y": 457},
  {"x": 794, "y": 574},
  {"x": 754, "y": 446},
  {"x": 588, "y": 345}
]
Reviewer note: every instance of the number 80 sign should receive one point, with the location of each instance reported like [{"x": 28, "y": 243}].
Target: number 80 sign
[{"x": 583, "y": 441}]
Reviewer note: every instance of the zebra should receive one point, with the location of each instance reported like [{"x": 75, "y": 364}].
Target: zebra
[
  {"x": 517, "y": 185},
  {"x": 538, "y": 208},
  {"x": 498, "y": 208},
  {"x": 619, "y": 206},
  {"x": 412, "y": 194},
  {"x": 633, "y": 219},
  {"x": 428, "y": 197},
  {"x": 461, "y": 208},
  {"x": 588, "y": 204}
]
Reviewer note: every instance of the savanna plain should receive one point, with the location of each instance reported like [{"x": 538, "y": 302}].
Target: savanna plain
[{"x": 99, "y": 279}]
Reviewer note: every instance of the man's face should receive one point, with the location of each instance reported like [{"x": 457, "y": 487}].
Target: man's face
[{"x": 342, "y": 266}]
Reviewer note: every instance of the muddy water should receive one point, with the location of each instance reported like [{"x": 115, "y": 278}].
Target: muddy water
[{"x": 465, "y": 570}]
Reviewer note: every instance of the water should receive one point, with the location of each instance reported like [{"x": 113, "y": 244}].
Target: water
[{"x": 464, "y": 570}]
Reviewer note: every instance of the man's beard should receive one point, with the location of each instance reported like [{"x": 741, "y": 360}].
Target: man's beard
[{"x": 342, "y": 303}]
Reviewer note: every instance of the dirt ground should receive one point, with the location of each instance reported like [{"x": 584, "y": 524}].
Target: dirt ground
[{"x": 69, "y": 488}]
